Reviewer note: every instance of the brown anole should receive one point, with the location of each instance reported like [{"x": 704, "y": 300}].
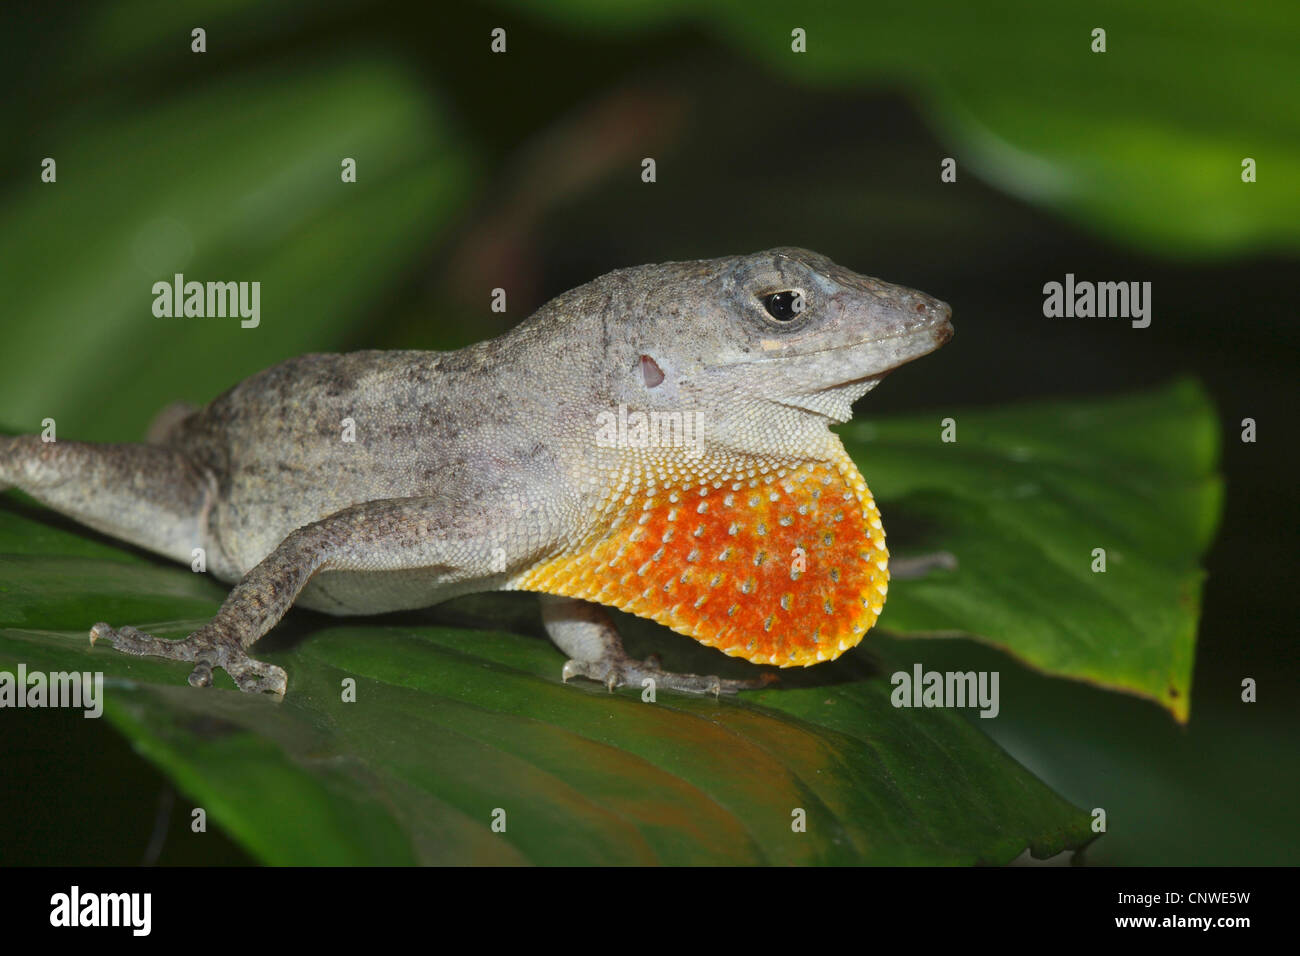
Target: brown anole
[{"x": 656, "y": 440}]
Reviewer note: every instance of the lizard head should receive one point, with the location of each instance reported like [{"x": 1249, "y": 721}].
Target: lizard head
[
  {"x": 820, "y": 335},
  {"x": 781, "y": 342}
]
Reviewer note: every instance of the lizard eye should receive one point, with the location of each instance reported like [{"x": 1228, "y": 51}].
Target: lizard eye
[{"x": 784, "y": 306}]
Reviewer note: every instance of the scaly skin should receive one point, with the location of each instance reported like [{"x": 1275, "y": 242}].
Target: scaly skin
[{"x": 496, "y": 467}]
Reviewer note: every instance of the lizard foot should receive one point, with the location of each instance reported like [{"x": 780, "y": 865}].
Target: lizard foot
[
  {"x": 619, "y": 670},
  {"x": 206, "y": 650}
]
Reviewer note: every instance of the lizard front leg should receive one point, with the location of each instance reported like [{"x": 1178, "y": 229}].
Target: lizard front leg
[
  {"x": 585, "y": 632},
  {"x": 384, "y": 535}
]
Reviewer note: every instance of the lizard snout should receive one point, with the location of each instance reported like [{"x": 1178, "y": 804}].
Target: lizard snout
[
  {"x": 935, "y": 315},
  {"x": 943, "y": 323}
]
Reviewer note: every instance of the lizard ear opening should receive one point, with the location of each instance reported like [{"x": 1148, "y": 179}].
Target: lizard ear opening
[{"x": 651, "y": 373}]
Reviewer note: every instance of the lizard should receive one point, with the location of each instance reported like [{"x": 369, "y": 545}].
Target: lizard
[{"x": 657, "y": 440}]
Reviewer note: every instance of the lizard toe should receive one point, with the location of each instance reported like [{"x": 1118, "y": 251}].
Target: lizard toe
[
  {"x": 258, "y": 677},
  {"x": 604, "y": 671}
]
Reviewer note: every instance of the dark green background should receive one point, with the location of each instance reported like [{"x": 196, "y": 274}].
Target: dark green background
[{"x": 526, "y": 176}]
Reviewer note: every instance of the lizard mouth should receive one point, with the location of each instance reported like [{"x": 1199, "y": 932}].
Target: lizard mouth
[
  {"x": 925, "y": 339},
  {"x": 833, "y": 400},
  {"x": 938, "y": 331},
  {"x": 937, "y": 328}
]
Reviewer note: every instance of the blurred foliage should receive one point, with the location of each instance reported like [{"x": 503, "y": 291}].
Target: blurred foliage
[
  {"x": 1143, "y": 142},
  {"x": 236, "y": 181}
]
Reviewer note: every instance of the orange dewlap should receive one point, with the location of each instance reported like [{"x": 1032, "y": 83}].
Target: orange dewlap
[{"x": 781, "y": 565}]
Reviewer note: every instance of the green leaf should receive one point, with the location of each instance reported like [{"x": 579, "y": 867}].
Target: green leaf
[
  {"x": 451, "y": 724},
  {"x": 1023, "y": 497},
  {"x": 232, "y": 180}
]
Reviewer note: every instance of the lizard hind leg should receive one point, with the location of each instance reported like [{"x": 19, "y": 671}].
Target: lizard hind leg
[{"x": 585, "y": 632}]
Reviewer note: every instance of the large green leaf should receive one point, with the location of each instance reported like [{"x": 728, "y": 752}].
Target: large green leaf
[
  {"x": 1024, "y": 496},
  {"x": 232, "y": 180},
  {"x": 451, "y": 724},
  {"x": 1144, "y": 142}
]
